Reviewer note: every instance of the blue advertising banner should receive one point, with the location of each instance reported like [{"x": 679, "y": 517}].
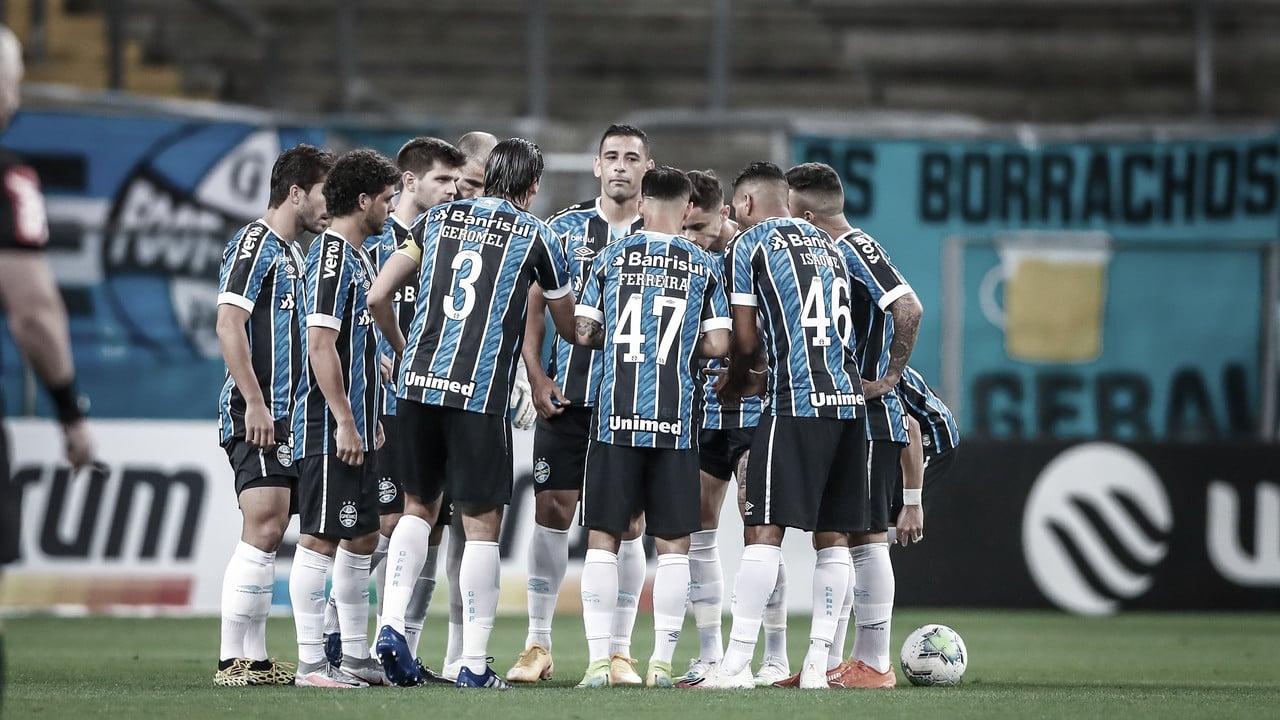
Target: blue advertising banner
[{"x": 1108, "y": 289}]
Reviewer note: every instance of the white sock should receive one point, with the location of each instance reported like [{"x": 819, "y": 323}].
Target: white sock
[
  {"x": 416, "y": 614},
  {"x": 670, "y": 595},
  {"x": 478, "y": 579},
  {"x": 331, "y": 617},
  {"x": 757, "y": 574},
  {"x": 351, "y": 594},
  {"x": 452, "y": 569},
  {"x": 599, "y": 601},
  {"x": 548, "y": 560},
  {"x": 406, "y": 553},
  {"x": 830, "y": 583},
  {"x": 306, "y": 593},
  {"x": 837, "y": 654},
  {"x": 249, "y": 577},
  {"x": 775, "y": 617},
  {"x": 378, "y": 568},
  {"x": 706, "y": 593},
  {"x": 632, "y": 570},
  {"x": 873, "y": 604}
]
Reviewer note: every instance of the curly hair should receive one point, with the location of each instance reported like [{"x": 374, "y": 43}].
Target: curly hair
[{"x": 355, "y": 173}]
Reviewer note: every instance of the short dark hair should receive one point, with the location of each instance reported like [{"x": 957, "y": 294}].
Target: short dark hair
[
  {"x": 814, "y": 177},
  {"x": 666, "y": 183},
  {"x": 707, "y": 193},
  {"x": 302, "y": 165},
  {"x": 422, "y": 153},
  {"x": 622, "y": 130},
  {"x": 514, "y": 166},
  {"x": 760, "y": 170},
  {"x": 356, "y": 172}
]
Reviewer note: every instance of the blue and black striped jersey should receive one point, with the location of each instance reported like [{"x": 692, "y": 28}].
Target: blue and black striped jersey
[
  {"x": 479, "y": 256},
  {"x": 718, "y": 416},
  {"x": 795, "y": 276},
  {"x": 583, "y": 231},
  {"x": 877, "y": 283},
  {"x": 938, "y": 429},
  {"x": 655, "y": 294},
  {"x": 337, "y": 297},
  {"x": 262, "y": 273},
  {"x": 380, "y": 247}
]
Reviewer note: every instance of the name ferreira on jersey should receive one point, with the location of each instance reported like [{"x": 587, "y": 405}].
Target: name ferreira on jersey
[
  {"x": 636, "y": 423},
  {"x": 430, "y": 381},
  {"x": 821, "y": 399}
]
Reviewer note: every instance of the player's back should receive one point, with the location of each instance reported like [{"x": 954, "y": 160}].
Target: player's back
[
  {"x": 937, "y": 425},
  {"x": 479, "y": 257},
  {"x": 796, "y": 277},
  {"x": 655, "y": 294}
]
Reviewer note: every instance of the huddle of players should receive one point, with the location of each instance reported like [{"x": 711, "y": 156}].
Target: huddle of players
[{"x": 480, "y": 258}]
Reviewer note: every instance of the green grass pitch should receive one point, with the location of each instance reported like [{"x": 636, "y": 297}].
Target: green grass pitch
[{"x": 1022, "y": 665}]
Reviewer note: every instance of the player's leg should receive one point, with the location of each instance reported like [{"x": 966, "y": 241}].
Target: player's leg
[
  {"x": 706, "y": 587},
  {"x": 357, "y": 526},
  {"x": 672, "y": 512},
  {"x": 633, "y": 568},
  {"x": 610, "y": 500},
  {"x": 452, "y": 568},
  {"x": 423, "y": 591}
]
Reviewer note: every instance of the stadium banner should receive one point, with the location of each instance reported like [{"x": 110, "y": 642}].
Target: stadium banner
[
  {"x": 156, "y": 530},
  {"x": 1098, "y": 527},
  {"x": 1100, "y": 288}
]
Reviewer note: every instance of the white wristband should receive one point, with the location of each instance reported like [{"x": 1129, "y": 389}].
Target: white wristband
[{"x": 911, "y": 497}]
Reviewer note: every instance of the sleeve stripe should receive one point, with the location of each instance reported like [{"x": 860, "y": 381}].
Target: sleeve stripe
[
  {"x": 557, "y": 293},
  {"x": 589, "y": 312},
  {"x": 742, "y": 299},
  {"x": 887, "y": 299},
  {"x": 716, "y": 323},
  {"x": 325, "y": 321},
  {"x": 240, "y": 301}
]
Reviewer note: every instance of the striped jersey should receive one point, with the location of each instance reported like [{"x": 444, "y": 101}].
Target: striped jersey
[
  {"x": 478, "y": 256},
  {"x": 262, "y": 273},
  {"x": 795, "y": 276},
  {"x": 938, "y": 429},
  {"x": 380, "y": 248},
  {"x": 717, "y": 416},
  {"x": 655, "y": 294},
  {"x": 876, "y": 284},
  {"x": 337, "y": 297},
  {"x": 583, "y": 231}
]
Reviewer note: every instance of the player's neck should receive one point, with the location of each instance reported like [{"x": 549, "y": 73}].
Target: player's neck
[
  {"x": 283, "y": 222},
  {"x": 833, "y": 226},
  {"x": 406, "y": 213},
  {"x": 349, "y": 228},
  {"x": 619, "y": 213}
]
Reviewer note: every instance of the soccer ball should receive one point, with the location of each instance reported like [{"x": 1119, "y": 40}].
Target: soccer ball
[{"x": 934, "y": 655}]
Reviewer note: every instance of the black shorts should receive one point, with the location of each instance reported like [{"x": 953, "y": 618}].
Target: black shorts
[
  {"x": 10, "y": 505},
  {"x": 936, "y": 468},
  {"x": 720, "y": 450},
  {"x": 337, "y": 499},
  {"x": 560, "y": 450},
  {"x": 884, "y": 469},
  {"x": 255, "y": 467},
  {"x": 811, "y": 474},
  {"x": 623, "y": 481},
  {"x": 468, "y": 453},
  {"x": 390, "y": 493}
]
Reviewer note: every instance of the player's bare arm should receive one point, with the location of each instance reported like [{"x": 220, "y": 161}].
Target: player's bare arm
[
  {"x": 233, "y": 339},
  {"x": 747, "y": 365},
  {"x": 906, "y": 312},
  {"x": 398, "y": 269},
  {"x": 714, "y": 343},
  {"x": 548, "y": 400},
  {"x": 38, "y": 321},
  {"x": 589, "y": 333},
  {"x": 561, "y": 310},
  {"x": 322, "y": 352},
  {"x": 910, "y": 521}
]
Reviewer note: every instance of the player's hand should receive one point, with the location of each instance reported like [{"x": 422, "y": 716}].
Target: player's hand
[
  {"x": 350, "y": 447},
  {"x": 388, "y": 366},
  {"x": 80, "y": 451},
  {"x": 522, "y": 399},
  {"x": 721, "y": 377},
  {"x": 547, "y": 398},
  {"x": 380, "y": 439},
  {"x": 873, "y": 389},
  {"x": 910, "y": 524},
  {"x": 259, "y": 426}
]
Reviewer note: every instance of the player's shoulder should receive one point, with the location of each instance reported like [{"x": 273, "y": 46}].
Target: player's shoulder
[
  {"x": 575, "y": 214},
  {"x": 255, "y": 239}
]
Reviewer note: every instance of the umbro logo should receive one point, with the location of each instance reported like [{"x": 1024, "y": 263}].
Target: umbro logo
[
  {"x": 748, "y": 508},
  {"x": 582, "y": 252}
]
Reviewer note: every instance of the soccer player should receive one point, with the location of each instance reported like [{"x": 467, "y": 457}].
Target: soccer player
[
  {"x": 479, "y": 258},
  {"x": 475, "y": 146},
  {"x": 926, "y": 462},
  {"x": 886, "y": 317},
  {"x": 37, "y": 317},
  {"x": 723, "y": 443},
  {"x": 260, "y": 291},
  {"x": 430, "y": 170},
  {"x": 335, "y": 426},
  {"x": 654, "y": 303},
  {"x": 563, "y": 400},
  {"x": 807, "y": 467}
]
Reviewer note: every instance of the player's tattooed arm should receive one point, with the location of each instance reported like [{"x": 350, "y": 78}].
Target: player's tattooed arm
[
  {"x": 590, "y": 333},
  {"x": 906, "y": 312}
]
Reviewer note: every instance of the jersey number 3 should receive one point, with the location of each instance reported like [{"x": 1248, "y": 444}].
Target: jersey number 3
[{"x": 474, "y": 263}]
